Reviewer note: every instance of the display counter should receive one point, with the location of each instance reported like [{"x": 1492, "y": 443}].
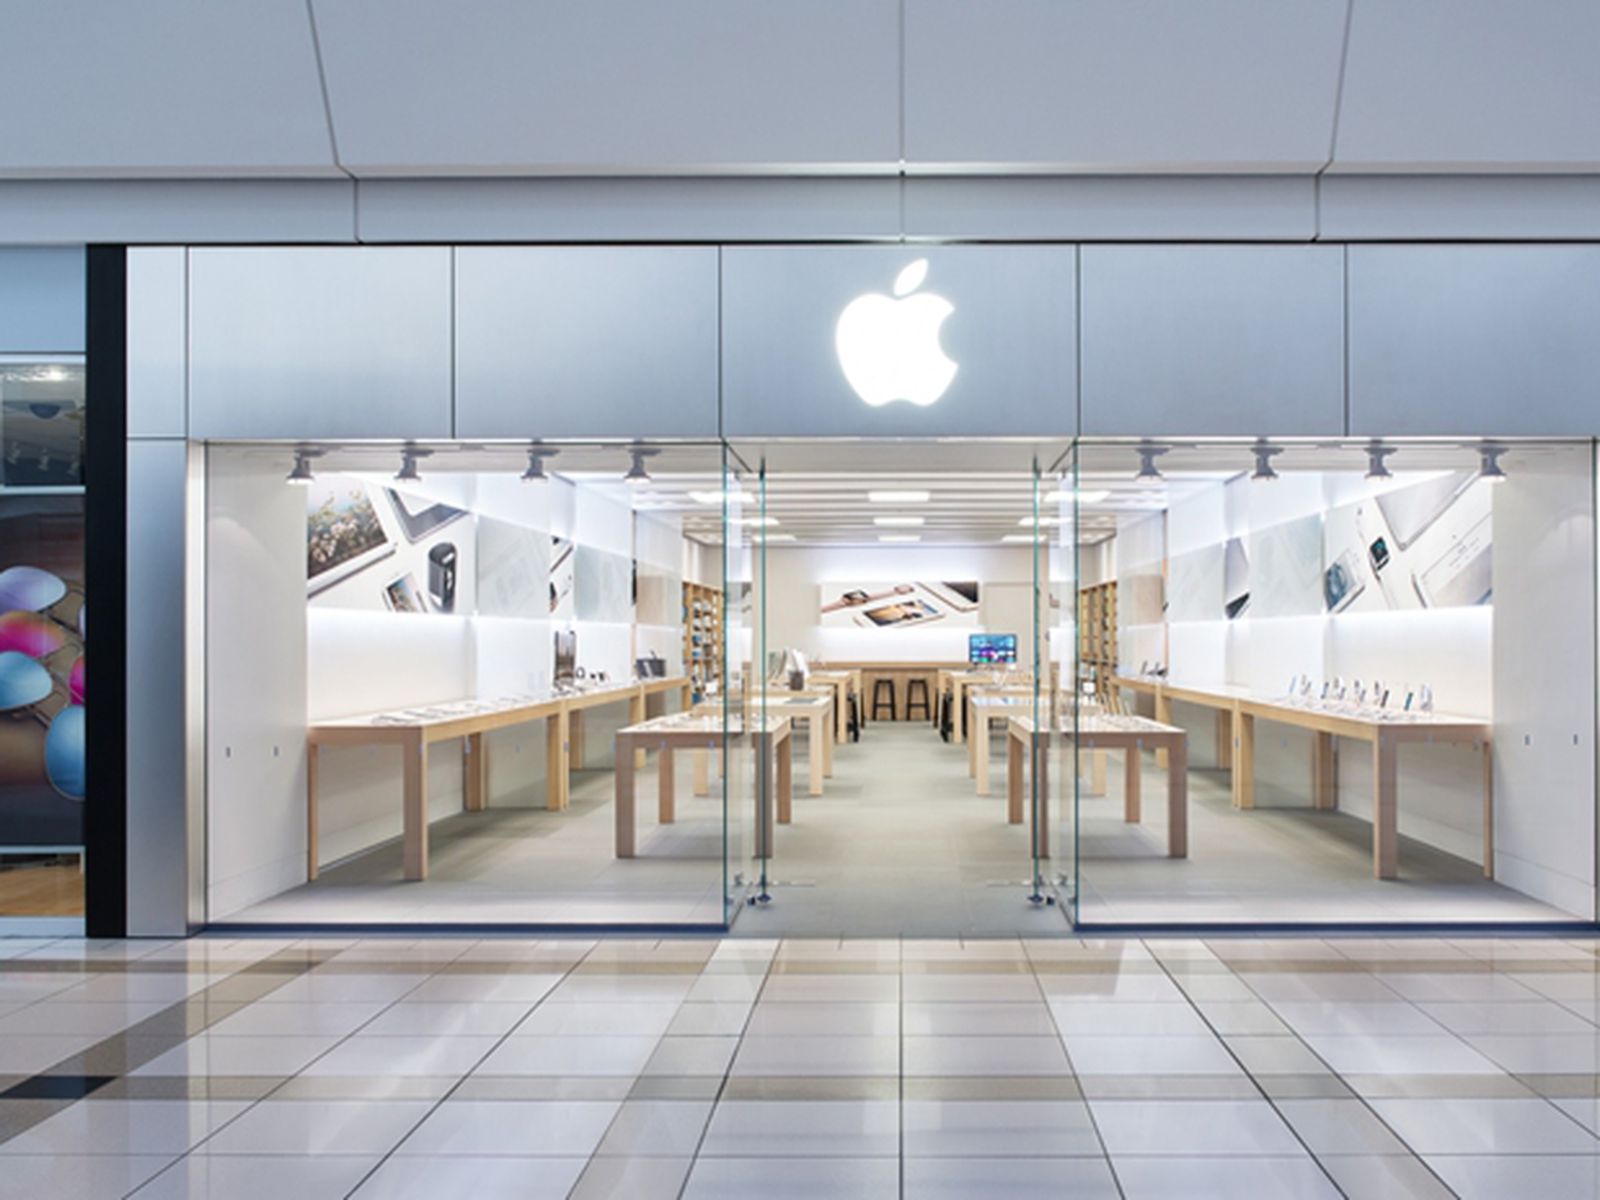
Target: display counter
[
  {"x": 1386, "y": 735},
  {"x": 413, "y": 730}
]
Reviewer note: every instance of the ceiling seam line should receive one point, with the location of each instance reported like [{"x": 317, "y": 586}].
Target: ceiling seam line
[
  {"x": 1333, "y": 133},
  {"x": 327, "y": 117}
]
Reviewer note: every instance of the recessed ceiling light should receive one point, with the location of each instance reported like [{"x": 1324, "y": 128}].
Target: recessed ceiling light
[
  {"x": 899, "y": 537},
  {"x": 772, "y": 537},
  {"x": 1023, "y": 537},
  {"x": 1041, "y": 522},
  {"x": 719, "y": 497},
  {"x": 757, "y": 521},
  {"x": 911, "y": 497},
  {"x": 898, "y": 520},
  {"x": 1080, "y": 497}
]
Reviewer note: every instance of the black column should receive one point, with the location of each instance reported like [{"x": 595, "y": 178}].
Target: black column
[{"x": 106, "y": 588}]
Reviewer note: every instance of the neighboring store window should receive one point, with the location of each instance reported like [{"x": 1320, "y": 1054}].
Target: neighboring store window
[{"x": 43, "y": 624}]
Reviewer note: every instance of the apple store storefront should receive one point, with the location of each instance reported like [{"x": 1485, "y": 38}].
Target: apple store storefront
[{"x": 858, "y": 589}]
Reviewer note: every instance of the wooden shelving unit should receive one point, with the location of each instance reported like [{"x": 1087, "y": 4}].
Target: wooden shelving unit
[
  {"x": 1097, "y": 630},
  {"x": 702, "y": 637}
]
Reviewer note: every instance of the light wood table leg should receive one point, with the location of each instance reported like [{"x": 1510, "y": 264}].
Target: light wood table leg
[
  {"x": 980, "y": 753},
  {"x": 762, "y": 744},
  {"x": 1324, "y": 772},
  {"x": 816, "y": 742},
  {"x": 841, "y": 713},
  {"x": 1488, "y": 811},
  {"x": 827, "y": 743},
  {"x": 972, "y": 744},
  {"x": 1039, "y": 750},
  {"x": 1244, "y": 760},
  {"x": 1164, "y": 715},
  {"x": 1132, "y": 785},
  {"x": 557, "y": 774},
  {"x": 1224, "y": 739},
  {"x": 475, "y": 765},
  {"x": 313, "y": 767},
  {"x": 666, "y": 787},
  {"x": 702, "y": 772},
  {"x": 786, "y": 779},
  {"x": 624, "y": 808},
  {"x": 638, "y": 711},
  {"x": 1385, "y": 809},
  {"x": 1014, "y": 756},
  {"x": 1098, "y": 759},
  {"x": 1178, "y": 800},
  {"x": 414, "y": 773},
  {"x": 575, "y": 740}
]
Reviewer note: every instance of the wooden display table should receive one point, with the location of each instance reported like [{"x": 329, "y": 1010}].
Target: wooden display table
[
  {"x": 985, "y": 708},
  {"x": 414, "y": 730},
  {"x": 1242, "y": 710},
  {"x": 841, "y": 685},
  {"x": 817, "y": 712},
  {"x": 774, "y": 767},
  {"x": 1097, "y": 733}
]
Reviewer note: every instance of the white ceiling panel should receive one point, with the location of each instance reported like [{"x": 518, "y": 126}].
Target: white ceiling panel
[
  {"x": 1471, "y": 85},
  {"x": 1107, "y": 86},
  {"x": 509, "y": 87},
  {"x": 160, "y": 88}
]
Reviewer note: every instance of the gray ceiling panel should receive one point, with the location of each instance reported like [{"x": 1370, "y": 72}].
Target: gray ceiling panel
[
  {"x": 1471, "y": 85},
  {"x": 1111, "y": 86},
  {"x": 509, "y": 87},
  {"x": 160, "y": 88}
]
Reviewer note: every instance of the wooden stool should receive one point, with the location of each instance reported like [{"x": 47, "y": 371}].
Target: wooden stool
[
  {"x": 917, "y": 698},
  {"x": 883, "y": 694}
]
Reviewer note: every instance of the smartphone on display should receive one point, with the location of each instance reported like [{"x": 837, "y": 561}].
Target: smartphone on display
[
  {"x": 402, "y": 595},
  {"x": 1342, "y": 582},
  {"x": 856, "y": 597},
  {"x": 905, "y": 612},
  {"x": 959, "y": 596}
]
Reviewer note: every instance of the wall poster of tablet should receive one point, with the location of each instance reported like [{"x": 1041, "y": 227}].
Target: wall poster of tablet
[{"x": 898, "y": 605}]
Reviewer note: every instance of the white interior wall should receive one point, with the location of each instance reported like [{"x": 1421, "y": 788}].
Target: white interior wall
[{"x": 255, "y": 684}]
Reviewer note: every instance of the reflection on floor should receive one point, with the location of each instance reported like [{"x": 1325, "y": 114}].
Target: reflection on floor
[
  {"x": 899, "y": 844},
  {"x": 721, "y": 1068}
]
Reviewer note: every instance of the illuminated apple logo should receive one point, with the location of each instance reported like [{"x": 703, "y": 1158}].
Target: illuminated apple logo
[{"x": 889, "y": 346}]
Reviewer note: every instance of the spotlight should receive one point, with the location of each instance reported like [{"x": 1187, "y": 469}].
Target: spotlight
[
  {"x": 1264, "y": 453},
  {"x": 536, "y": 456},
  {"x": 409, "y": 457},
  {"x": 1489, "y": 468},
  {"x": 301, "y": 473},
  {"x": 637, "y": 475},
  {"x": 1376, "y": 467},
  {"x": 1148, "y": 454}
]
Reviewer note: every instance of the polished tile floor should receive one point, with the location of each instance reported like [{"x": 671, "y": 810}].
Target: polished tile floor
[{"x": 832, "y": 1069}]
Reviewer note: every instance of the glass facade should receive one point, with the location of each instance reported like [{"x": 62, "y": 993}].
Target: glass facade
[{"x": 43, "y": 632}]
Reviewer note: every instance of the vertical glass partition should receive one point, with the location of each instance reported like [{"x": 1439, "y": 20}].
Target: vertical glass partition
[
  {"x": 444, "y": 684},
  {"x": 1340, "y": 683}
]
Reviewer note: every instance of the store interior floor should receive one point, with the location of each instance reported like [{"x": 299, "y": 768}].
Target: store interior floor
[{"x": 899, "y": 844}]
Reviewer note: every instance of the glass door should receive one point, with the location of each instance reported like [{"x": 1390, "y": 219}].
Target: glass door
[{"x": 740, "y": 779}]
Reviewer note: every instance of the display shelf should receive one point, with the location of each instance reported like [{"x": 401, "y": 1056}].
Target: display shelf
[
  {"x": 702, "y": 637},
  {"x": 1097, "y": 630}
]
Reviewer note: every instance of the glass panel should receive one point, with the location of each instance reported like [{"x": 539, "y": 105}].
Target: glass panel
[
  {"x": 448, "y": 692},
  {"x": 1077, "y": 688},
  {"x": 1363, "y": 676},
  {"x": 741, "y": 777},
  {"x": 43, "y": 633}
]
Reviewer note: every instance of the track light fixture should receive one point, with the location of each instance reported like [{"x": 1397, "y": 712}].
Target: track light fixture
[
  {"x": 1264, "y": 452},
  {"x": 1148, "y": 453},
  {"x": 1376, "y": 453},
  {"x": 536, "y": 456},
  {"x": 1489, "y": 468},
  {"x": 637, "y": 475},
  {"x": 409, "y": 457},
  {"x": 301, "y": 473}
]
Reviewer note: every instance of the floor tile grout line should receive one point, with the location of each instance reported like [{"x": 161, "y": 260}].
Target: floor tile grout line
[
  {"x": 1094, "y": 1122},
  {"x": 1365, "y": 1102}
]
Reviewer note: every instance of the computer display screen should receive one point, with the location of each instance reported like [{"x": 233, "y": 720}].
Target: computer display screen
[{"x": 992, "y": 648}]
